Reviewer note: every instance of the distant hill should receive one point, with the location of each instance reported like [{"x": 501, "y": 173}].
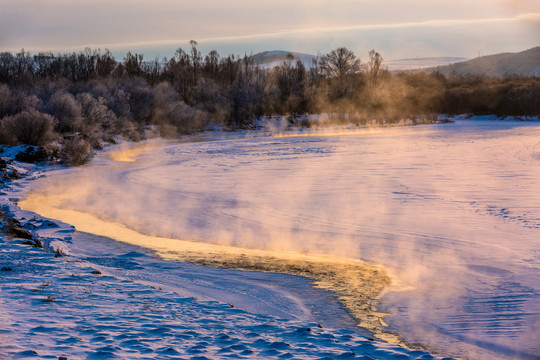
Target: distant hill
[
  {"x": 525, "y": 63},
  {"x": 421, "y": 63},
  {"x": 269, "y": 59}
]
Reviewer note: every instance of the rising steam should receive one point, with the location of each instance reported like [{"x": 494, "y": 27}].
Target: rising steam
[{"x": 429, "y": 203}]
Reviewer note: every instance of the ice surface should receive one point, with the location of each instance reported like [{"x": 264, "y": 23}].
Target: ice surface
[
  {"x": 107, "y": 300},
  {"x": 453, "y": 209}
]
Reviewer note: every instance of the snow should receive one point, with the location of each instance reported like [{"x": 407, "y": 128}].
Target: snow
[
  {"x": 103, "y": 299},
  {"x": 451, "y": 210},
  {"x": 9, "y": 152},
  {"x": 99, "y": 315}
]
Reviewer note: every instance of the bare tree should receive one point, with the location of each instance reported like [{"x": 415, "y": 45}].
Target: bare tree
[
  {"x": 5, "y": 100},
  {"x": 373, "y": 70},
  {"x": 133, "y": 64},
  {"x": 105, "y": 64},
  {"x": 290, "y": 78},
  {"x": 341, "y": 67},
  {"x": 211, "y": 64},
  {"x": 195, "y": 59},
  {"x": 340, "y": 63}
]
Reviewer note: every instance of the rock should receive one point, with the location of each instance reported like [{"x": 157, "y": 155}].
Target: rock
[
  {"x": 32, "y": 154},
  {"x": 21, "y": 233}
]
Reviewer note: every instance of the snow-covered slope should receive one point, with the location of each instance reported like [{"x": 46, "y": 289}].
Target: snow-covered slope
[{"x": 525, "y": 63}]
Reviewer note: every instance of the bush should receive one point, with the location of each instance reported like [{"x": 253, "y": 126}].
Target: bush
[
  {"x": 5, "y": 100},
  {"x": 6, "y": 137},
  {"x": 186, "y": 119},
  {"x": 58, "y": 252},
  {"x": 30, "y": 127},
  {"x": 67, "y": 110},
  {"x": 76, "y": 151},
  {"x": 96, "y": 113}
]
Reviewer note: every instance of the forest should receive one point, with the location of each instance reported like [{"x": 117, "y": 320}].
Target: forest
[{"x": 69, "y": 104}]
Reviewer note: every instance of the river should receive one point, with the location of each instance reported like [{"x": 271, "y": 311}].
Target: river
[{"x": 452, "y": 211}]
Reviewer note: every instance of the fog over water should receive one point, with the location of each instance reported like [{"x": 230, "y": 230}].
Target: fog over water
[{"x": 453, "y": 210}]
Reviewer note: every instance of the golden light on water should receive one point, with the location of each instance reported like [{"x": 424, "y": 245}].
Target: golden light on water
[
  {"x": 130, "y": 154},
  {"x": 357, "y": 283},
  {"x": 330, "y": 133}
]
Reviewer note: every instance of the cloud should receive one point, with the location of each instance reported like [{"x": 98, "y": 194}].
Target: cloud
[
  {"x": 529, "y": 16},
  {"x": 239, "y": 27},
  {"x": 449, "y": 37},
  {"x": 435, "y": 23}
]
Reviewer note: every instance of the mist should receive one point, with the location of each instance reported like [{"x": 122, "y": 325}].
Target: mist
[
  {"x": 450, "y": 210},
  {"x": 430, "y": 232}
]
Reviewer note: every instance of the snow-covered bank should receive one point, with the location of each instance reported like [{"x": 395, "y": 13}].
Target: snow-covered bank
[
  {"x": 72, "y": 307},
  {"x": 101, "y": 299}
]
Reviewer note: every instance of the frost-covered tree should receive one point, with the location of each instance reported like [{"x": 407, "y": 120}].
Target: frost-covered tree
[
  {"x": 96, "y": 113},
  {"x": 67, "y": 110},
  {"x": 30, "y": 127}
]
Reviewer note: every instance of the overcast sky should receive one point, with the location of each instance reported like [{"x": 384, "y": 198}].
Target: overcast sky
[{"x": 396, "y": 28}]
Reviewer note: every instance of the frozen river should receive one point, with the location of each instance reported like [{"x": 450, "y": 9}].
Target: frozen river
[{"x": 452, "y": 209}]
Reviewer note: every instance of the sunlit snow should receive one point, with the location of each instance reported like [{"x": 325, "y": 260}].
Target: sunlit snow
[{"x": 452, "y": 210}]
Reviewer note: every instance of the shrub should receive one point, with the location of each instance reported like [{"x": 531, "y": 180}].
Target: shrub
[
  {"x": 5, "y": 100},
  {"x": 96, "y": 112},
  {"x": 58, "y": 252},
  {"x": 186, "y": 119},
  {"x": 6, "y": 137},
  {"x": 67, "y": 110},
  {"x": 76, "y": 151},
  {"x": 30, "y": 127}
]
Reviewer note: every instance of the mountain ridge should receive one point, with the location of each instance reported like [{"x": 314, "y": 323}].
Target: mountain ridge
[{"x": 523, "y": 63}]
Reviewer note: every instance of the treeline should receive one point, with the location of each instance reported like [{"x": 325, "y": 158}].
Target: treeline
[{"x": 80, "y": 99}]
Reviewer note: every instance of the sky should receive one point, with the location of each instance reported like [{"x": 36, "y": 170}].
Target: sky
[{"x": 397, "y": 29}]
